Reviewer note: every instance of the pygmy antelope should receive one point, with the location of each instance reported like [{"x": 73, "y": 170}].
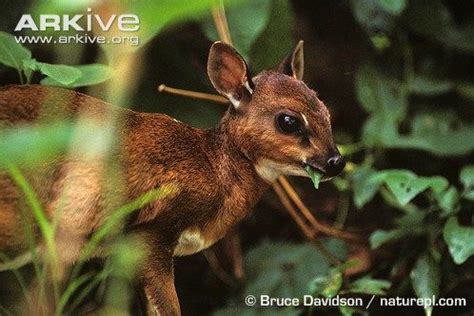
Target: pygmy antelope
[{"x": 274, "y": 126}]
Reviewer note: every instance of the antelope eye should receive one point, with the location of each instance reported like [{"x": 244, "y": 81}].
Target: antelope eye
[{"x": 288, "y": 124}]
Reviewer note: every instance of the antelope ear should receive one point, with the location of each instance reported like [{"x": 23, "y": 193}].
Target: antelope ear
[
  {"x": 229, "y": 73},
  {"x": 293, "y": 64}
]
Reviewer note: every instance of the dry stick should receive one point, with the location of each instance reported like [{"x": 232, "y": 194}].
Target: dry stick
[
  {"x": 307, "y": 231},
  {"x": 304, "y": 228},
  {"x": 193, "y": 94},
  {"x": 235, "y": 248},
  {"x": 309, "y": 216},
  {"x": 220, "y": 20},
  {"x": 211, "y": 257}
]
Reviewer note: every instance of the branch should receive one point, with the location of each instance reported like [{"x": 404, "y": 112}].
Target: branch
[{"x": 193, "y": 94}]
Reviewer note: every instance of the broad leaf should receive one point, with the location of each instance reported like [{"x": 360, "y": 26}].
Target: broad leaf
[
  {"x": 426, "y": 278},
  {"x": 365, "y": 184},
  {"x": 380, "y": 237},
  {"x": 283, "y": 269},
  {"x": 448, "y": 201},
  {"x": 367, "y": 285},
  {"x": 246, "y": 23},
  {"x": 405, "y": 185},
  {"x": 393, "y": 6},
  {"x": 460, "y": 240},
  {"x": 32, "y": 146},
  {"x": 327, "y": 285},
  {"x": 374, "y": 16},
  {"x": 278, "y": 30},
  {"x": 62, "y": 74},
  {"x": 255, "y": 311},
  {"x": 385, "y": 99},
  {"x": 466, "y": 90},
  {"x": 429, "y": 86},
  {"x": 315, "y": 176},
  {"x": 467, "y": 179},
  {"x": 154, "y": 15},
  {"x": 12, "y": 54},
  {"x": 441, "y": 133},
  {"x": 90, "y": 75},
  {"x": 410, "y": 224},
  {"x": 432, "y": 19}
]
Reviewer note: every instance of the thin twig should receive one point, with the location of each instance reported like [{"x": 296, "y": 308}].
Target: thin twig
[
  {"x": 220, "y": 21},
  {"x": 309, "y": 234},
  {"x": 307, "y": 231},
  {"x": 309, "y": 216},
  {"x": 234, "y": 248},
  {"x": 216, "y": 267},
  {"x": 193, "y": 94}
]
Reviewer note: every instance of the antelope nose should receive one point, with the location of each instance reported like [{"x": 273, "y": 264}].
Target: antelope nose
[{"x": 335, "y": 165}]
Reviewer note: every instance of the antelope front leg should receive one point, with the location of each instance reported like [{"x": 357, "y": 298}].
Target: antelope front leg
[
  {"x": 158, "y": 279},
  {"x": 157, "y": 275}
]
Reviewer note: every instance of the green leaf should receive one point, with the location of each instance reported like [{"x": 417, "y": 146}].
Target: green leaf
[
  {"x": 465, "y": 90},
  {"x": 373, "y": 16},
  {"x": 442, "y": 133},
  {"x": 394, "y": 7},
  {"x": 154, "y": 16},
  {"x": 378, "y": 93},
  {"x": 350, "y": 310},
  {"x": 315, "y": 176},
  {"x": 365, "y": 183},
  {"x": 429, "y": 86},
  {"x": 460, "y": 240},
  {"x": 12, "y": 54},
  {"x": 246, "y": 23},
  {"x": 62, "y": 74},
  {"x": 467, "y": 179},
  {"x": 282, "y": 269},
  {"x": 255, "y": 311},
  {"x": 32, "y": 146},
  {"x": 432, "y": 19},
  {"x": 278, "y": 29},
  {"x": 448, "y": 201},
  {"x": 426, "y": 278},
  {"x": 385, "y": 100},
  {"x": 410, "y": 224},
  {"x": 327, "y": 285},
  {"x": 367, "y": 285},
  {"x": 405, "y": 185},
  {"x": 90, "y": 75},
  {"x": 380, "y": 237}
]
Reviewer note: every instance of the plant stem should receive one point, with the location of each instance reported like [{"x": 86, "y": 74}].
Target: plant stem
[
  {"x": 220, "y": 21},
  {"x": 193, "y": 94}
]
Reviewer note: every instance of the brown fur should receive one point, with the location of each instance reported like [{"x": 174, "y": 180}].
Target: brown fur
[{"x": 215, "y": 172}]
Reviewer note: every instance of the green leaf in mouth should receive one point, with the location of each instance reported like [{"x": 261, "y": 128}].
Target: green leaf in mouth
[{"x": 315, "y": 175}]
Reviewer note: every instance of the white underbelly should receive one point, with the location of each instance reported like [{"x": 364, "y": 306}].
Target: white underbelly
[{"x": 189, "y": 242}]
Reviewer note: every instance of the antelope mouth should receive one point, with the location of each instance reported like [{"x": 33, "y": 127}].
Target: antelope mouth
[{"x": 317, "y": 169}]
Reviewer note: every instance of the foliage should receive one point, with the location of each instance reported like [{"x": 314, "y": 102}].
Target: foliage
[
  {"x": 287, "y": 270},
  {"x": 254, "y": 28},
  {"x": 416, "y": 106},
  {"x": 426, "y": 278},
  {"x": 407, "y": 113},
  {"x": 315, "y": 176},
  {"x": 17, "y": 56}
]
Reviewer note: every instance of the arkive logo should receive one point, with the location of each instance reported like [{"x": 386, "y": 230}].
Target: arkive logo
[{"x": 66, "y": 22}]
